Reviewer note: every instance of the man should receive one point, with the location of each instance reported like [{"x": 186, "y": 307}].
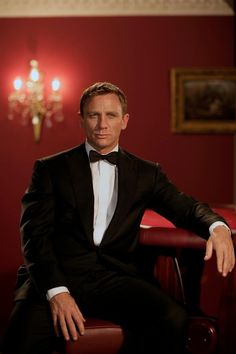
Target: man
[{"x": 79, "y": 227}]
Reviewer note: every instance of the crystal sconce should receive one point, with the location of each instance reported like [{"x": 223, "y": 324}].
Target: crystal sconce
[{"x": 28, "y": 102}]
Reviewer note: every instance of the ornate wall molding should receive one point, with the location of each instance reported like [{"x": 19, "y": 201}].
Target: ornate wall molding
[{"x": 46, "y": 8}]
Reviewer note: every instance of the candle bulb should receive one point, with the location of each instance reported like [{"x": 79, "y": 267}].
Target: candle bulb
[
  {"x": 55, "y": 84},
  {"x": 34, "y": 72},
  {"x": 17, "y": 83}
]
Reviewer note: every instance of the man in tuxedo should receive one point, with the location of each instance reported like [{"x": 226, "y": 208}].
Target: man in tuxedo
[{"x": 79, "y": 228}]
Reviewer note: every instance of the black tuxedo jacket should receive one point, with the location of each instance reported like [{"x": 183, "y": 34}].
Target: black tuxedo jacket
[{"x": 57, "y": 218}]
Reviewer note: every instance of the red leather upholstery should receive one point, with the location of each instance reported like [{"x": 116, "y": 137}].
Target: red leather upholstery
[
  {"x": 100, "y": 337},
  {"x": 171, "y": 237}
]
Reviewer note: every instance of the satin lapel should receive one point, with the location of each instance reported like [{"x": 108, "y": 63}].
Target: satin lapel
[
  {"x": 83, "y": 188},
  {"x": 127, "y": 179}
]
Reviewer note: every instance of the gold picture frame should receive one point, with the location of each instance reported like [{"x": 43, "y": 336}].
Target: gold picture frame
[{"x": 203, "y": 100}]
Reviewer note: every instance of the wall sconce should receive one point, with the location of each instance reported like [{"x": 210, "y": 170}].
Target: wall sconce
[{"x": 28, "y": 102}]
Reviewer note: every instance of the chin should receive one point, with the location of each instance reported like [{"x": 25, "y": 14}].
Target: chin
[{"x": 102, "y": 143}]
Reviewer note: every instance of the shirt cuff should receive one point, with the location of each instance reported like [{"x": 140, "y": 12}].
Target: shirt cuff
[
  {"x": 217, "y": 223},
  {"x": 54, "y": 291}
]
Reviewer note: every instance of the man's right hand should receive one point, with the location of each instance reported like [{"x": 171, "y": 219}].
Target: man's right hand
[{"x": 67, "y": 318}]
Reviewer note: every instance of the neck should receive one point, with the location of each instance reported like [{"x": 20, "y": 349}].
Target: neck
[{"x": 102, "y": 151}]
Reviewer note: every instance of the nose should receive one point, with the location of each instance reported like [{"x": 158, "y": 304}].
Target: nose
[{"x": 102, "y": 122}]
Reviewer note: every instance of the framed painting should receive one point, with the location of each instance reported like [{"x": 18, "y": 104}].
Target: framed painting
[{"x": 203, "y": 100}]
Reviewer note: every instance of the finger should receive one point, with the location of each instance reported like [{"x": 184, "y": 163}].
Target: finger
[
  {"x": 71, "y": 328},
  {"x": 72, "y": 323},
  {"x": 233, "y": 260},
  {"x": 64, "y": 329},
  {"x": 55, "y": 325},
  {"x": 225, "y": 268},
  {"x": 209, "y": 250},
  {"x": 233, "y": 256},
  {"x": 80, "y": 314},
  {"x": 228, "y": 262},
  {"x": 221, "y": 262},
  {"x": 79, "y": 321}
]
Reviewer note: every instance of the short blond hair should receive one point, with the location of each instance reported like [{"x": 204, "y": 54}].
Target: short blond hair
[{"x": 102, "y": 88}]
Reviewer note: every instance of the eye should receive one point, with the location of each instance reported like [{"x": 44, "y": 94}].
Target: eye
[
  {"x": 92, "y": 115},
  {"x": 112, "y": 114}
]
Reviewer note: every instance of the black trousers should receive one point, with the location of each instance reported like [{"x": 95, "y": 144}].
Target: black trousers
[{"x": 154, "y": 322}]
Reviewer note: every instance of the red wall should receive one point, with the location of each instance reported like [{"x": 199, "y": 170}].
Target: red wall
[{"x": 135, "y": 53}]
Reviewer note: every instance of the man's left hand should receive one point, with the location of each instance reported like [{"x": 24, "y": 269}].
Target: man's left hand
[{"x": 221, "y": 241}]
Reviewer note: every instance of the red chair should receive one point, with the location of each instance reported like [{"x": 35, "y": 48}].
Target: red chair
[{"x": 181, "y": 271}]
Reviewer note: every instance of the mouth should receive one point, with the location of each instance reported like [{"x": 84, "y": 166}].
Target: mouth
[{"x": 101, "y": 136}]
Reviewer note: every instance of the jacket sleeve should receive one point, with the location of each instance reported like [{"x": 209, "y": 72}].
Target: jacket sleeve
[
  {"x": 181, "y": 209},
  {"x": 37, "y": 231}
]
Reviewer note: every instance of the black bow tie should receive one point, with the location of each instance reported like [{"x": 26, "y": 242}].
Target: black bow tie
[{"x": 112, "y": 157}]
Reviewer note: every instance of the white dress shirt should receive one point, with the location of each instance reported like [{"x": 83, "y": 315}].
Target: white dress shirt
[{"x": 105, "y": 190}]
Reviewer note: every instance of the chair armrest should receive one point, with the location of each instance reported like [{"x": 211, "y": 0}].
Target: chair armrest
[
  {"x": 170, "y": 237},
  {"x": 173, "y": 237},
  {"x": 155, "y": 230}
]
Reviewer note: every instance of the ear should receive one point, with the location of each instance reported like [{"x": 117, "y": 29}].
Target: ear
[
  {"x": 81, "y": 118},
  {"x": 125, "y": 120}
]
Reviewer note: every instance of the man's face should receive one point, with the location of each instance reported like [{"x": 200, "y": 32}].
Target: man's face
[{"x": 103, "y": 121}]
